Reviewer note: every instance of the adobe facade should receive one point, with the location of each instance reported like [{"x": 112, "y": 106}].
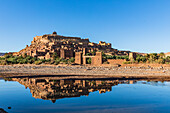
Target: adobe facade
[
  {"x": 81, "y": 58},
  {"x": 44, "y": 46},
  {"x": 132, "y": 56}
]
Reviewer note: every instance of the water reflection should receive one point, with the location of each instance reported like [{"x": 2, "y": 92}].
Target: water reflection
[
  {"x": 52, "y": 89},
  {"x": 103, "y": 95}
]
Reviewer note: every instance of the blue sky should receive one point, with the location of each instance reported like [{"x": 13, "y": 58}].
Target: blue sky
[{"x": 135, "y": 25}]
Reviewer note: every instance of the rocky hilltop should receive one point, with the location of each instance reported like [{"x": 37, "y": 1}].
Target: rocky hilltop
[{"x": 44, "y": 46}]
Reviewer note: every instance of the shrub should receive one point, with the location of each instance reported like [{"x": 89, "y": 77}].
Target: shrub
[
  {"x": 88, "y": 60},
  {"x": 2, "y": 58},
  {"x": 161, "y": 61},
  {"x": 105, "y": 62},
  {"x": 52, "y": 62},
  {"x": 127, "y": 62},
  {"x": 57, "y": 62},
  {"x": 38, "y": 62},
  {"x": 88, "y": 54},
  {"x": 25, "y": 61},
  {"x": 48, "y": 60},
  {"x": 34, "y": 59},
  {"x": 111, "y": 57},
  {"x": 93, "y": 53},
  {"x": 8, "y": 55},
  {"x": 65, "y": 61},
  {"x": 29, "y": 57},
  {"x": 43, "y": 60},
  {"x": 143, "y": 59},
  {"x": 29, "y": 62},
  {"x": 71, "y": 60}
]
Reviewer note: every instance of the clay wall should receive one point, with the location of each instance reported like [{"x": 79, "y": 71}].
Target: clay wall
[
  {"x": 47, "y": 56},
  {"x": 116, "y": 61},
  {"x": 69, "y": 54},
  {"x": 132, "y": 56},
  {"x": 62, "y": 53},
  {"x": 98, "y": 58},
  {"x": 78, "y": 57}
]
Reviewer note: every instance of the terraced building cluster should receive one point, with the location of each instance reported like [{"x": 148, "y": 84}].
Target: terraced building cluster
[{"x": 43, "y": 47}]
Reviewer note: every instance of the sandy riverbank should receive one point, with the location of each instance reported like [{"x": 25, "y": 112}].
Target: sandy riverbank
[{"x": 65, "y": 71}]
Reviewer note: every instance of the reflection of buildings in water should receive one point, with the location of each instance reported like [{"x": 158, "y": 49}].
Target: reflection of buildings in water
[{"x": 51, "y": 89}]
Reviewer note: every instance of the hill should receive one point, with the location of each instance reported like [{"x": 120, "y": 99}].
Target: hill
[{"x": 45, "y": 46}]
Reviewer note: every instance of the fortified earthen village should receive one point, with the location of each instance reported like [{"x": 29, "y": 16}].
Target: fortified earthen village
[{"x": 44, "y": 46}]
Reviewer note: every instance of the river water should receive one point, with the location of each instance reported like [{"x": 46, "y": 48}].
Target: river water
[{"x": 50, "y": 95}]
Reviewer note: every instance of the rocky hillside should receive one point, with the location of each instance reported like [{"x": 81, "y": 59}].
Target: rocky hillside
[{"x": 54, "y": 43}]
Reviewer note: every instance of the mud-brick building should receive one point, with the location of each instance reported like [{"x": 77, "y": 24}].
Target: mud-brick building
[
  {"x": 82, "y": 59},
  {"x": 44, "y": 46}
]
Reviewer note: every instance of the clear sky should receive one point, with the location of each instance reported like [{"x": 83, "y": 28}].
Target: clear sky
[{"x": 135, "y": 25}]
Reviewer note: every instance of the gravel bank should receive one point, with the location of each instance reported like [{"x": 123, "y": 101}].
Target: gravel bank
[{"x": 100, "y": 71}]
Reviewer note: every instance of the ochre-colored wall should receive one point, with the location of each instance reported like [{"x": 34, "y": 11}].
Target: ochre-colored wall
[{"x": 116, "y": 61}]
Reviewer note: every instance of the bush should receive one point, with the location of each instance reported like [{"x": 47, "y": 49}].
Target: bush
[
  {"x": 111, "y": 57},
  {"x": 38, "y": 62},
  {"x": 43, "y": 60},
  {"x": 88, "y": 60},
  {"x": 25, "y": 61},
  {"x": 48, "y": 60},
  {"x": 8, "y": 55},
  {"x": 88, "y": 54},
  {"x": 34, "y": 59},
  {"x": 2, "y": 58},
  {"x": 105, "y": 62},
  {"x": 52, "y": 62},
  {"x": 71, "y": 60},
  {"x": 65, "y": 61},
  {"x": 29, "y": 62},
  {"x": 29, "y": 57},
  {"x": 127, "y": 62},
  {"x": 57, "y": 62},
  {"x": 161, "y": 61}
]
